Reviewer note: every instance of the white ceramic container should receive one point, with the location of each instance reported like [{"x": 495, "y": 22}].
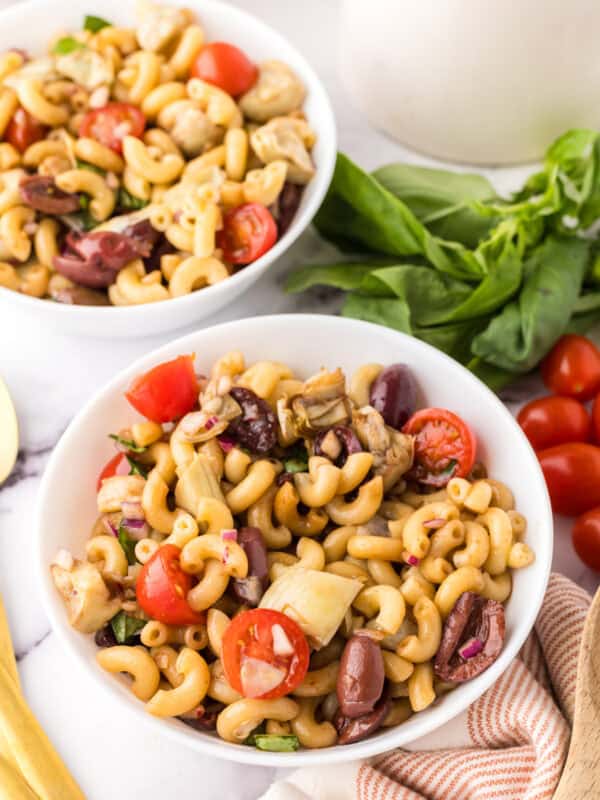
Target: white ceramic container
[
  {"x": 222, "y": 22},
  {"x": 67, "y": 498},
  {"x": 478, "y": 81}
]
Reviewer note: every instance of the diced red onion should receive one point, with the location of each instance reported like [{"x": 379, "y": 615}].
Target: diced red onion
[
  {"x": 132, "y": 510},
  {"x": 136, "y": 528},
  {"x": 229, "y": 535},
  {"x": 226, "y": 444},
  {"x": 210, "y": 423},
  {"x": 412, "y": 560},
  {"x": 108, "y": 525},
  {"x": 470, "y": 648},
  {"x": 434, "y": 523}
]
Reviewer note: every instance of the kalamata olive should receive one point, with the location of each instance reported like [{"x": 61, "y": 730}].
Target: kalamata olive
[
  {"x": 162, "y": 248},
  {"x": 474, "y": 624},
  {"x": 145, "y": 237},
  {"x": 361, "y": 676},
  {"x": 337, "y": 443},
  {"x": 256, "y": 427},
  {"x": 251, "y": 588},
  {"x": 79, "y": 296},
  {"x": 354, "y": 729},
  {"x": 105, "y": 637},
  {"x": 40, "y": 192},
  {"x": 206, "y": 721},
  {"x": 286, "y": 205},
  {"x": 394, "y": 394}
]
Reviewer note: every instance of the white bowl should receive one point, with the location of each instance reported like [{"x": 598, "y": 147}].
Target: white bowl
[
  {"x": 67, "y": 497},
  {"x": 221, "y": 21}
]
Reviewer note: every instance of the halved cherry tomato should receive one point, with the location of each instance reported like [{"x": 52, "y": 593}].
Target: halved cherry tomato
[
  {"x": 249, "y": 635},
  {"x": 225, "y": 66},
  {"x": 572, "y": 368},
  {"x": 24, "y": 130},
  {"x": 162, "y": 588},
  {"x": 552, "y": 420},
  {"x": 248, "y": 232},
  {"x": 445, "y": 446},
  {"x": 118, "y": 465},
  {"x": 110, "y": 124},
  {"x": 167, "y": 391},
  {"x": 572, "y": 473},
  {"x": 586, "y": 538}
]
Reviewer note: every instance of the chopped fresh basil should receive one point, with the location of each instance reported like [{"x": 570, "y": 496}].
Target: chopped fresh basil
[
  {"x": 135, "y": 468},
  {"x": 129, "y": 202},
  {"x": 94, "y": 24},
  {"x": 67, "y": 45},
  {"x": 276, "y": 744},
  {"x": 127, "y": 544},
  {"x": 297, "y": 459},
  {"x": 125, "y": 627},
  {"x": 129, "y": 444},
  {"x": 91, "y": 167},
  {"x": 84, "y": 202},
  {"x": 85, "y": 220}
]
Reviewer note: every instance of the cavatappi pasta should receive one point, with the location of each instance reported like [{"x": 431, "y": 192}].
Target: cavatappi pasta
[
  {"x": 140, "y": 164},
  {"x": 293, "y": 562}
]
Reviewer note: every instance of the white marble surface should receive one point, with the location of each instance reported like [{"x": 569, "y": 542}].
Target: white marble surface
[{"x": 50, "y": 376}]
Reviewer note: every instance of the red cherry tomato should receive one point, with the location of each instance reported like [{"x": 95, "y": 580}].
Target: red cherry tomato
[
  {"x": 24, "y": 130},
  {"x": 110, "y": 124},
  {"x": 118, "y": 465},
  {"x": 572, "y": 473},
  {"x": 162, "y": 588},
  {"x": 248, "y": 232},
  {"x": 225, "y": 66},
  {"x": 596, "y": 418},
  {"x": 249, "y": 635},
  {"x": 586, "y": 538},
  {"x": 445, "y": 446},
  {"x": 167, "y": 391},
  {"x": 572, "y": 368},
  {"x": 549, "y": 421}
]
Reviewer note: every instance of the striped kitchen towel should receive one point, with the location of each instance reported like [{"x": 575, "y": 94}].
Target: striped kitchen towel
[{"x": 509, "y": 745}]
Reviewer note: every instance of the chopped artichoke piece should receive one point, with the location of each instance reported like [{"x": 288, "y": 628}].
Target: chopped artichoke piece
[
  {"x": 392, "y": 450},
  {"x": 323, "y": 402},
  {"x": 196, "y": 482},
  {"x": 316, "y": 600},
  {"x": 286, "y": 139},
  {"x": 42, "y": 69},
  {"x": 158, "y": 24},
  {"x": 189, "y": 127},
  {"x": 87, "y": 68},
  {"x": 118, "y": 489},
  {"x": 87, "y": 598},
  {"x": 276, "y": 92}
]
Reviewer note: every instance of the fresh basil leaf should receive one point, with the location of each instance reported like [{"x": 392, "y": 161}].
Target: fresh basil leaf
[
  {"x": 274, "y": 743},
  {"x": 129, "y": 202},
  {"x": 521, "y": 335},
  {"x": 91, "y": 167},
  {"x": 126, "y": 627},
  {"x": 84, "y": 202},
  {"x": 441, "y": 200},
  {"x": 341, "y": 276},
  {"x": 297, "y": 459},
  {"x": 128, "y": 444},
  {"x": 67, "y": 45},
  {"x": 127, "y": 544},
  {"x": 95, "y": 24},
  {"x": 135, "y": 468}
]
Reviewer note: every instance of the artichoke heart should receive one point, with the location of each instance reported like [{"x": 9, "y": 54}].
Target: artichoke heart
[
  {"x": 86, "y": 596},
  {"x": 316, "y": 600},
  {"x": 196, "y": 482},
  {"x": 323, "y": 402}
]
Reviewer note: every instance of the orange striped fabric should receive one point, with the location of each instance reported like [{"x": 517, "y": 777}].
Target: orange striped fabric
[{"x": 517, "y": 733}]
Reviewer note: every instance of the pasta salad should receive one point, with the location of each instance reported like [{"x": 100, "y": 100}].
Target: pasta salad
[
  {"x": 293, "y": 562},
  {"x": 141, "y": 164}
]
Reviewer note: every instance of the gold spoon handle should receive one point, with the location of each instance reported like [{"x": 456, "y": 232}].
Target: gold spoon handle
[{"x": 9, "y": 433}]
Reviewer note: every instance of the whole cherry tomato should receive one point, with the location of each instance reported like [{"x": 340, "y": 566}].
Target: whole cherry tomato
[
  {"x": 265, "y": 653},
  {"x": 572, "y": 368},
  {"x": 24, "y": 130},
  {"x": 552, "y": 420},
  {"x": 110, "y": 124},
  {"x": 572, "y": 473},
  {"x": 162, "y": 588},
  {"x": 166, "y": 392},
  {"x": 225, "y": 66},
  {"x": 445, "y": 446},
  {"x": 248, "y": 232},
  {"x": 586, "y": 538},
  {"x": 596, "y": 418}
]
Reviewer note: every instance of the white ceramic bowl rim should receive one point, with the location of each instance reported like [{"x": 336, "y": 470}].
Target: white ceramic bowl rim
[
  {"x": 324, "y": 126},
  {"x": 329, "y": 328}
]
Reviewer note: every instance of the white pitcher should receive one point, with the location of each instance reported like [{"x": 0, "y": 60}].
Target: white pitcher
[{"x": 481, "y": 81}]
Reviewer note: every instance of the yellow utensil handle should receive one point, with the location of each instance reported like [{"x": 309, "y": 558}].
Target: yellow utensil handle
[{"x": 12, "y": 785}]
